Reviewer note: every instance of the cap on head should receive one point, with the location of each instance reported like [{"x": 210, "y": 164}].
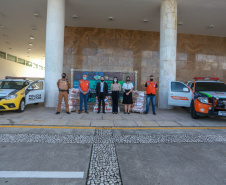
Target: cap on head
[
  {"x": 151, "y": 76},
  {"x": 64, "y": 74}
]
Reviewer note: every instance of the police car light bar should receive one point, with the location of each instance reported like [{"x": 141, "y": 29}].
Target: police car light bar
[
  {"x": 206, "y": 78},
  {"x": 12, "y": 77}
]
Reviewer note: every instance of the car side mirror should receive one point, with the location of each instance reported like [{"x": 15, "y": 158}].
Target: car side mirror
[
  {"x": 185, "y": 89},
  {"x": 30, "y": 88}
]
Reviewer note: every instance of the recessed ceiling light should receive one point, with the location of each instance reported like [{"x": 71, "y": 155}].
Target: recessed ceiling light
[
  {"x": 74, "y": 16},
  {"x": 145, "y": 20},
  {"x": 32, "y": 38},
  {"x": 2, "y": 26},
  {"x": 30, "y": 44},
  {"x": 29, "y": 49},
  {"x": 110, "y": 18},
  {"x": 37, "y": 15},
  {"x": 33, "y": 28},
  {"x": 210, "y": 26},
  {"x": 180, "y": 23},
  {"x": 5, "y": 36},
  {"x": 10, "y": 48}
]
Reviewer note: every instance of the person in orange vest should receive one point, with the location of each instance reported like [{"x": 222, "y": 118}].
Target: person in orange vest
[
  {"x": 84, "y": 90},
  {"x": 63, "y": 86},
  {"x": 151, "y": 89}
]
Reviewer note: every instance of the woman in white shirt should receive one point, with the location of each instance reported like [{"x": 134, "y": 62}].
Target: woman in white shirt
[{"x": 127, "y": 95}]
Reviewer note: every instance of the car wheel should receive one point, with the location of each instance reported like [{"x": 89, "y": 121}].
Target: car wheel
[
  {"x": 22, "y": 106},
  {"x": 194, "y": 114}
]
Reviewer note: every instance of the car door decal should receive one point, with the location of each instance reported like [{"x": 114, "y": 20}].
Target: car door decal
[
  {"x": 35, "y": 96},
  {"x": 179, "y": 98}
]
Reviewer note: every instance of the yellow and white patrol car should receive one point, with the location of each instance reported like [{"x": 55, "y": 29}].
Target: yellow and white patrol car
[{"x": 17, "y": 92}]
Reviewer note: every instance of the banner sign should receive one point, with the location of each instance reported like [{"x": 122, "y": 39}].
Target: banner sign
[{"x": 94, "y": 78}]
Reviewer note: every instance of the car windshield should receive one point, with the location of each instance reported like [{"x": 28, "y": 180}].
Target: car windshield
[
  {"x": 210, "y": 86},
  {"x": 12, "y": 84}
]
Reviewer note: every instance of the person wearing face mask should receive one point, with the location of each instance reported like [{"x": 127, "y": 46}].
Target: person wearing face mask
[
  {"x": 101, "y": 94},
  {"x": 151, "y": 89},
  {"x": 84, "y": 90},
  {"x": 63, "y": 86},
  {"x": 127, "y": 95},
  {"x": 115, "y": 88}
]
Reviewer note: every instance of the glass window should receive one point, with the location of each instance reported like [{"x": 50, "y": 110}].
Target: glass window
[
  {"x": 35, "y": 66},
  {"x": 21, "y": 61},
  {"x": 210, "y": 86},
  {"x": 2, "y": 55},
  {"x": 40, "y": 67},
  {"x": 12, "y": 85},
  {"x": 28, "y": 63},
  {"x": 37, "y": 86},
  {"x": 11, "y": 58},
  {"x": 177, "y": 87}
]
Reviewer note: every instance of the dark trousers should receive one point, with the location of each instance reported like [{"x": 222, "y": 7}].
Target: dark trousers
[
  {"x": 115, "y": 97},
  {"x": 101, "y": 98}
]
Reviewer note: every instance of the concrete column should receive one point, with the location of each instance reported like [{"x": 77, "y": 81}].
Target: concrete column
[
  {"x": 168, "y": 45},
  {"x": 54, "y": 49}
]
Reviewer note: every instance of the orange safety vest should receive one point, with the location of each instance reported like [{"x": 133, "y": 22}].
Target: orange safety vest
[
  {"x": 84, "y": 85},
  {"x": 151, "y": 87}
]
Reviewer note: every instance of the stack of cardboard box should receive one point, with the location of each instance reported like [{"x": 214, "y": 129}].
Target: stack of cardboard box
[
  {"x": 139, "y": 101},
  {"x": 73, "y": 100},
  {"x": 108, "y": 106}
]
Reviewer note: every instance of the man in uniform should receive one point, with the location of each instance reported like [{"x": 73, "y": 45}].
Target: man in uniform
[
  {"x": 84, "y": 90},
  {"x": 63, "y": 86},
  {"x": 151, "y": 88}
]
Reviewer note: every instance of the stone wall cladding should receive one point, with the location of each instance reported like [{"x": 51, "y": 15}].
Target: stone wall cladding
[{"x": 129, "y": 50}]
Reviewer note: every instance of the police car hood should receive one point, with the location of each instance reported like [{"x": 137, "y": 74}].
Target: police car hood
[
  {"x": 6, "y": 92},
  {"x": 213, "y": 94}
]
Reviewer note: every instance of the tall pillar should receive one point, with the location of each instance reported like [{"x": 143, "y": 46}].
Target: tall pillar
[
  {"x": 54, "y": 49},
  {"x": 168, "y": 44}
]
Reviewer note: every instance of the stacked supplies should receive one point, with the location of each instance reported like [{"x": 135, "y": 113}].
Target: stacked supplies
[
  {"x": 139, "y": 101},
  {"x": 108, "y": 105},
  {"x": 73, "y": 100}
]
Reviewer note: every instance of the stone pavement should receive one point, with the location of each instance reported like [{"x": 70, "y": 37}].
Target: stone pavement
[
  {"x": 38, "y": 115},
  {"x": 114, "y": 157}
]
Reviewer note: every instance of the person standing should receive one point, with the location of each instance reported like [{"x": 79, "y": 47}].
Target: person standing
[
  {"x": 115, "y": 88},
  {"x": 84, "y": 90},
  {"x": 151, "y": 89},
  {"x": 127, "y": 95},
  {"x": 101, "y": 93},
  {"x": 63, "y": 86}
]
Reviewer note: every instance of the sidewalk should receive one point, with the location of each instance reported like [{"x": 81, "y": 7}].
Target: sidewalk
[{"x": 38, "y": 115}]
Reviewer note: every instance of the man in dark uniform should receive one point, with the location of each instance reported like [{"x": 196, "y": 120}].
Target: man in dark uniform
[{"x": 101, "y": 93}]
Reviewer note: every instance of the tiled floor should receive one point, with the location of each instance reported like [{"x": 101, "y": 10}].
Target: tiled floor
[{"x": 39, "y": 115}]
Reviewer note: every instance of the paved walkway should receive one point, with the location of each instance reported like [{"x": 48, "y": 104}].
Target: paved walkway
[{"x": 41, "y": 116}]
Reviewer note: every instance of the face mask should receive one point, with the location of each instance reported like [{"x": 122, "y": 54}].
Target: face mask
[
  {"x": 63, "y": 76},
  {"x": 115, "y": 80},
  {"x": 151, "y": 79},
  {"x": 102, "y": 80},
  {"x": 127, "y": 80},
  {"x": 84, "y": 78}
]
